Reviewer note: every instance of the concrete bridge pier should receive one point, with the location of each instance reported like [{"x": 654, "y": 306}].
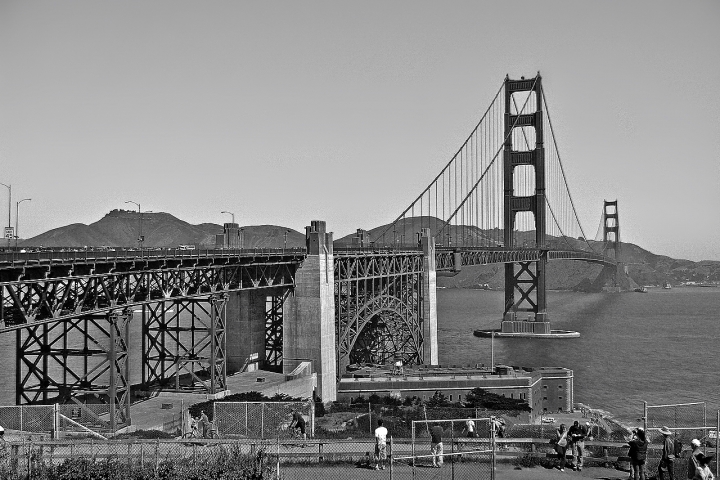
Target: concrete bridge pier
[
  {"x": 309, "y": 314},
  {"x": 429, "y": 299}
]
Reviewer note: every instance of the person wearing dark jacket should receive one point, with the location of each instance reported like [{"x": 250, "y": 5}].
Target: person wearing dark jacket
[
  {"x": 637, "y": 454},
  {"x": 576, "y": 435}
]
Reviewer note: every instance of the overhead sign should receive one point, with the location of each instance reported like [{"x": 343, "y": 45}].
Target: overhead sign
[{"x": 9, "y": 232}]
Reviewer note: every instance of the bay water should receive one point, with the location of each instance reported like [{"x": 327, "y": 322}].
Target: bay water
[{"x": 661, "y": 347}]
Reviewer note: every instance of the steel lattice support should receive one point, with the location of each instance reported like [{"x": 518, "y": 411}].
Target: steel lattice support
[
  {"x": 85, "y": 359},
  {"x": 47, "y": 300},
  {"x": 378, "y": 308},
  {"x": 183, "y": 344},
  {"x": 274, "y": 330},
  {"x": 515, "y": 279}
]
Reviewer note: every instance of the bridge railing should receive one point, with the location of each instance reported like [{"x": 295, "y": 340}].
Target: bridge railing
[{"x": 20, "y": 258}]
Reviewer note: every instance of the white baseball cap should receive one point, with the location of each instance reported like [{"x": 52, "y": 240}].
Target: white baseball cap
[
  {"x": 2, "y": 430},
  {"x": 695, "y": 442}
]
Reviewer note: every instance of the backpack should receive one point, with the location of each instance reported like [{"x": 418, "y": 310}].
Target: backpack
[{"x": 677, "y": 447}]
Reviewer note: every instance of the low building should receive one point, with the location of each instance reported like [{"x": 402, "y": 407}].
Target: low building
[{"x": 545, "y": 389}]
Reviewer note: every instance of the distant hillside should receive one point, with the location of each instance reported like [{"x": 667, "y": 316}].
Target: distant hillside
[
  {"x": 644, "y": 267},
  {"x": 120, "y": 228}
]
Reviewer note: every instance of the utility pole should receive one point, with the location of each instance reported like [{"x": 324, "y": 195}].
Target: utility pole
[
  {"x": 17, "y": 214},
  {"x": 140, "y": 235},
  {"x": 8, "y": 232}
]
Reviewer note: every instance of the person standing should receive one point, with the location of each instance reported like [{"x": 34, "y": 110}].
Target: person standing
[
  {"x": 693, "y": 463},
  {"x": 637, "y": 454},
  {"x": 380, "y": 446},
  {"x": 469, "y": 428},
  {"x": 666, "y": 468},
  {"x": 204, "y": 423},
  {"x": 561, "y": 444},
  {"x": 577, "y": 434},
  {"x": 436, "y": 446}
]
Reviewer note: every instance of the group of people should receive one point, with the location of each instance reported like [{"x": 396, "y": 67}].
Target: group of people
[
  {"x": 574, "y": 440},
  {"x": 436, "y": 445},
  {"x": 698, "y": 463},
  {"x": 200, "y": 425}
]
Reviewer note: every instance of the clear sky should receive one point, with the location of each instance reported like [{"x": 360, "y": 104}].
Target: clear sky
[{"x": 286, "y": 112}]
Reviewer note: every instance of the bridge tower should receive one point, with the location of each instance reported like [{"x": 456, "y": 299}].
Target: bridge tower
[
  {"x": 611, "y": 229},
  {"x": 527, "y": 312}
]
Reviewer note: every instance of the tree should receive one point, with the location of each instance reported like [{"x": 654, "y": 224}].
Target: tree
[
  {"x": 479, "y": 398},
  {"x": 438, "y": 400}
]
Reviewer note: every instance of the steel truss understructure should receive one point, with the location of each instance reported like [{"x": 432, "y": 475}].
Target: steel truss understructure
[
  {"x": 72, "y": 330},
  {"x": 86, "y": 357},
  {"x": 378, "y": 308},
  {"x": 183, "y": 344},
  {"x": 453, "y": 259},
  {"x": 274, "y": 330}
]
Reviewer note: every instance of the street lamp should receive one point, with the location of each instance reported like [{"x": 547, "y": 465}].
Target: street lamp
[
  {"x": 9, "y": 187},
  {"x": 233, "y": 215},
  {"x": 285, "y": 246},
  {"x": 17, "y": 211},
  {"x": 141, "y": 239}
]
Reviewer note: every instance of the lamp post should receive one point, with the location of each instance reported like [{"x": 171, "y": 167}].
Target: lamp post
[
  {"x": 140, "y": 235},
  {"x": 230, "y": 213},
  {"x": 17, "y": 211},
  {"x": 9, "y": 187},
  {"x": 285, "y": 245}
]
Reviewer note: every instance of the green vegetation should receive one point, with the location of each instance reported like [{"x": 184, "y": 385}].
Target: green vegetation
[{"x": 224, "y": 465}]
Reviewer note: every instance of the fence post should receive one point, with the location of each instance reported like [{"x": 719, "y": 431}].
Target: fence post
[
  {"x": 157, "y": 455},
  {"x": 452, "y": 449},
  {"x": 246, "y": 415},
  {"x": 391, "y": 456},
  {"x": 182, "y": 417},
  {"x": 262, "y": 420},
  {"x": 21, "y": 419},
  {"x": 370, "y": 416},
  {"x": 56, "y": 427},
  {"x": 717, "y": 446},
  {"x": 412, "y": 446},
  {"x": 492, "y": 446}
]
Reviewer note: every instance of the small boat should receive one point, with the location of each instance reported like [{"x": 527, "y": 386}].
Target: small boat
[
  {"x": 641, "y": 290},
  {"x": 667, "y": 286}
]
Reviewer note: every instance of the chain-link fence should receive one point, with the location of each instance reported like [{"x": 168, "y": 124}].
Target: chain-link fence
[
  {"x": 687, "y": 421},
  {"x": 260, "y": 419},
  {"x": 29, "y": 418}
]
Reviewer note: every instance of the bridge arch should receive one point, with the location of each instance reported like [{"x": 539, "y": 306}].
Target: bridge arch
[{"x": 382, "y": 328}]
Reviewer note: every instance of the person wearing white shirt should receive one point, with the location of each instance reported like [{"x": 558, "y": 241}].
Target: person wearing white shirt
[{"x": 380, "y": 446}]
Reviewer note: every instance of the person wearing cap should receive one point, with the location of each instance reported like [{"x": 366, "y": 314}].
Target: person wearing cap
[
  {"x": 666, "y": 467},
  {"x": 692, "y": 461},
  {"x": 703, "y": 472},
  {"x": 637, "y": 454}
]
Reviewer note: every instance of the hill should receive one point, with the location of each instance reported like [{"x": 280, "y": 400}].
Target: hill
[
  {"x": 644, "y": 267},
  {"x": 120, "y": 228}
]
